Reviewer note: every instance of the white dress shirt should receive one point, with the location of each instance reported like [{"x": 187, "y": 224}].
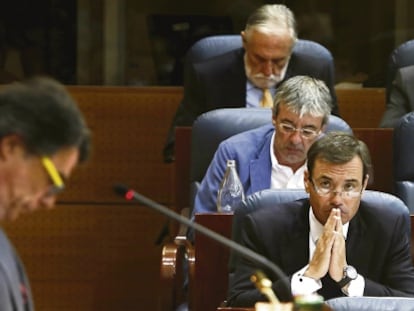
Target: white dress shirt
[{"x": 283, "y": 177}]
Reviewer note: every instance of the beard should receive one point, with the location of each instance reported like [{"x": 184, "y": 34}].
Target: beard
[{"x": 259, "y": 79}]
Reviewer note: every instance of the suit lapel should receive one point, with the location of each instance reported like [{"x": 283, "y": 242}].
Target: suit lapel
[
  {"x": 298, "y": 239},
  {"x": 260, "y": 167},
  {"x": 356, "y": 248},
  {"x": 238, "y": 76}
]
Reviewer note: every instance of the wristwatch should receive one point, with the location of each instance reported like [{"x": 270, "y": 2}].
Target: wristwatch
[{"x": 350, "y": 274}]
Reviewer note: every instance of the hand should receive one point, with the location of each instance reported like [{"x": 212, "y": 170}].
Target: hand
[
  {"x": 321, "y": 260},
  {"x": 338, "y": 256}
]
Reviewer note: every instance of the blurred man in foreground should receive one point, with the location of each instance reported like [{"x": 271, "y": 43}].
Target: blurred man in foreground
[{"x": 43, "y": 137}]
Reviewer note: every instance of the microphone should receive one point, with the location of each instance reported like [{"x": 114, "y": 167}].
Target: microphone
[{"x": 241, "y": 250}]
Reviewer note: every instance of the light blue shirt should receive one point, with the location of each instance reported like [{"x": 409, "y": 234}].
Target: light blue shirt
[{"x": 254, "y": 94}]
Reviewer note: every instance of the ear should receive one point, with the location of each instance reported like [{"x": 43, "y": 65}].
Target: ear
[
  {"x": 244, "y": 39},
  {"x": 364, "y": 186},
  {"x": 9, "y": 145},
  {"x": 306, "y": 180},
  {"x": 274, "y": 120}
]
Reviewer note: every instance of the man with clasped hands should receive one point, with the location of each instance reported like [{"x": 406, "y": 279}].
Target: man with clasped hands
[{"x": 331, "y": 243}]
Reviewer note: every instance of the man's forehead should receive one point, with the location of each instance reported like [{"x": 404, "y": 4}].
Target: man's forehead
[
  {"x": 287, "y": 114},
  {"x": 326, "y": 169}
]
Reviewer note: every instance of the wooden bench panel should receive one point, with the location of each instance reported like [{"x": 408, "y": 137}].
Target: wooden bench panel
[
  {"x": 88, "y": 257},
  {"x": 379, "y": 142},
  {"x": 129, "y": 126},
  {"x": 361, "y": 108},
  {"x": 211, "y": 269}
]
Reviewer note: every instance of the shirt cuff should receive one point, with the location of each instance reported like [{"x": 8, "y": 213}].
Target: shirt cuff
[
  {"x": 355, "y": 288},
  {"x": 303, "y": 285}
]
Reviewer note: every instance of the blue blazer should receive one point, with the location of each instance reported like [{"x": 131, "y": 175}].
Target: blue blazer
[{"x": 251, "y": 150}]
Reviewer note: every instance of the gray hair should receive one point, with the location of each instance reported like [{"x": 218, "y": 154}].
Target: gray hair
[
  {"x": 304, "y": 95},
  {"x": 272, "y": 19}
]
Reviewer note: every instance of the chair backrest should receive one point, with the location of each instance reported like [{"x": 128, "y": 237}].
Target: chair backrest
[
  {"x": 371, "y": 303},
  {"x": 403, "y": 164},
  {"x": 214, "y": 126},
  {"x": 401, "y": 56},
  {"x": 262, "y": 199},
  {"x": 209, "y": 47},
  {"x": 215, "y": 45}
]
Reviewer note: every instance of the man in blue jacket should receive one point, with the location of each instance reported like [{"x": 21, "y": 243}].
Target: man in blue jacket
[{"x": 274, "y": 155}]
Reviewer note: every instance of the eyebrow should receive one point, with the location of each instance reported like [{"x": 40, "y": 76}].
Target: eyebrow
[
  {"x": 293, "y": 124},
  {"x": 324, "y": 177}
]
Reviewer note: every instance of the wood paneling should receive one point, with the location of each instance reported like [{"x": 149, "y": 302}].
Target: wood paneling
[
  {"x": 129, "y": 126},
  {"x": 361, "y": 108},
  {"x": 94, "y": 251}
]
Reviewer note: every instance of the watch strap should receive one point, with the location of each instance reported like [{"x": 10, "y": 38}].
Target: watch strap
[{"x": 344, "y": 281}]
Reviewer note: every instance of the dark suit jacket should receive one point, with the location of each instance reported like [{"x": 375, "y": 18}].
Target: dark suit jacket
[
  {"x": 378, "y": 246},
  {"x": 220, "y": 82},
  {"x": 12, "y": 276},
  {"x": 401, "y": 97}
]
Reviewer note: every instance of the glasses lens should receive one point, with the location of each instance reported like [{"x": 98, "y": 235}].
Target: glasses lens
[
  {"x": 308, "y": 133},
  {"x": 287, "y": 128},
  {"x": 325, "y": 190}
]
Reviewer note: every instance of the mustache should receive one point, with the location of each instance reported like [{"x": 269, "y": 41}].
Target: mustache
[{"x": 265, "y": 81}]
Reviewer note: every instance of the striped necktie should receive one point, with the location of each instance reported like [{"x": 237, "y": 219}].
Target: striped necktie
[{"x": 267, "y": 100}]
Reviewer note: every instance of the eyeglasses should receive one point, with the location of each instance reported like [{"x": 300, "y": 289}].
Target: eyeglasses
[
  {"x": 55, "y": 177},
  {"x": 325, "y": 188},
  {"x": 305, "y": 133}
]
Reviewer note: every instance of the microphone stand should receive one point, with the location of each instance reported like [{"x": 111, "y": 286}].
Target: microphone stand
[{"x": 241, "y": 250}]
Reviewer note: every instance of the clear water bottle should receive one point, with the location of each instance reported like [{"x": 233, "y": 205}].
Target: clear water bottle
[{"x": 231, "y": 191}]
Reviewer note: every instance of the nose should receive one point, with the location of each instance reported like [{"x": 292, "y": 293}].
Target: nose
[
  {"x": 267, "y": 68},
  {"x": 295, "y": 137},
  {"x": 336, "y": 197}
]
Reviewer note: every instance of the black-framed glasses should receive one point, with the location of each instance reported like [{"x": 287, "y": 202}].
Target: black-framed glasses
[
  {"x": 54, "y": 175},
  {"x": 324, "y": 188},
  {"x": 305, "y": 132}
]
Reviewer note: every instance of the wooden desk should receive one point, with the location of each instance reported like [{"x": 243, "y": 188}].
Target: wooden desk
[{"x": 211, "y": 269}]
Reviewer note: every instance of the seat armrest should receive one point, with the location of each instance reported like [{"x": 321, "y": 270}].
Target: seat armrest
[{"x": 177, "y": 269}]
